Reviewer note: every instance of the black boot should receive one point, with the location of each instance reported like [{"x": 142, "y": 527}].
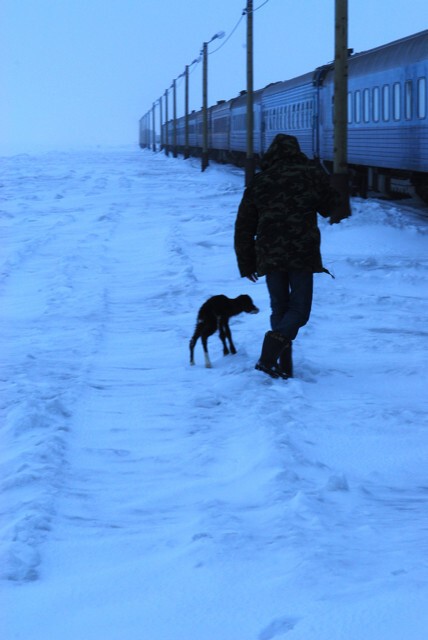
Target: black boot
[
  {"x": 273, "y": 345},
  {"x": 286, "y": 360}
]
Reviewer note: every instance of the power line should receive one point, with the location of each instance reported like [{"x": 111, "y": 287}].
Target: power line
[
  {"x": 260, "y": 6},
  {"x": 229, "y": 36},
  {"x": 244, "y": 12}
]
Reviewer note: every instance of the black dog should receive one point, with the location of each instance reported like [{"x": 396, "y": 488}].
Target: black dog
[{"x": 214, "y": 314}]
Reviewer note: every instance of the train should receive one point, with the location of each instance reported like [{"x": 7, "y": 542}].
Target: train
[{"x": 387, "y": 119}]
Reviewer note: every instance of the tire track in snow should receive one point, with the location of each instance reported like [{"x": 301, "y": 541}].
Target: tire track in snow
[{"x": 53, "y": 284}]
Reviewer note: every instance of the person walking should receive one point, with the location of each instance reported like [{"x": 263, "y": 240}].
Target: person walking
[{"x": 277, "y": 236}]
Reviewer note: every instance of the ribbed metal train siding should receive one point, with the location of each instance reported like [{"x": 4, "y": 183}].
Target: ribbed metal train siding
[
  {"x": 238, "y": 132},
  {"x": 285, "y": 95},
  {"x": 393, "y": 144},
  {"x": 220, "y": 126}
]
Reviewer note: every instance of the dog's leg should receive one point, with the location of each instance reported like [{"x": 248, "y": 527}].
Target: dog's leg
[
  {"x": 204, "y": 339},
  {"x": 192, "y": 344},
  {"x": 228, "y": 334},
  {"x": 222, "y": 333}
]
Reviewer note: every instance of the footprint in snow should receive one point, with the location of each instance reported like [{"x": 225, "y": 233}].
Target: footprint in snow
[{"x": 278, "y": 627}]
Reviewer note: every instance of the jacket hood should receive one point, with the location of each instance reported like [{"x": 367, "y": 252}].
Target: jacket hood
[{"x": 283, "y": 149}]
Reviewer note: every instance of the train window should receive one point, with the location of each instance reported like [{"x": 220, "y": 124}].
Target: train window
[
  {"x": 349, "y": 107},
  {"x": 376, "y": 104},
  {"x": 366, "y": 105},
  {"x": 385, "y": 102},
  {"x": 357, "y": 105},
  {"x": 396, "y": 101},
  {"x": 422, "y": 97},
  {"x": 408, "y": 100}
]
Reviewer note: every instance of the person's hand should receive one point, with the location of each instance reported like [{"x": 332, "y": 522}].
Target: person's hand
[{"x": 253, "y": 277}]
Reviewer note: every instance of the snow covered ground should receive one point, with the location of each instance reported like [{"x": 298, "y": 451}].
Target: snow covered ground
[{"x": 144, "y": 499}]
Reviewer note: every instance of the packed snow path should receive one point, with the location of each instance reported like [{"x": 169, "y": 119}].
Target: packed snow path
[{"x": 144, "y": 499}]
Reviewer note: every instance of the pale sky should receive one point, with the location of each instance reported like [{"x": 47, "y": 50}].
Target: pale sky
[{"x": 82, "y": 72}]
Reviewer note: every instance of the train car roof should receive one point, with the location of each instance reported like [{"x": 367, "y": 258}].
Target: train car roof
[
  {"x": 397, "y": 53},
  {"x": 394, "y": 54},
  {"x": 221, "y": 105},
  {"x": 242, "y": 98},
  {"x": 277, "y": 87}
]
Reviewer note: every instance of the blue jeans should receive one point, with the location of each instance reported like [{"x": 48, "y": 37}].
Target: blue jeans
[{"x": 290, "y": 300}]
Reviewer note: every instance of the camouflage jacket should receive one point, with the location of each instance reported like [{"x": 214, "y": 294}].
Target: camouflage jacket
[{"x": 276, "y": 227}]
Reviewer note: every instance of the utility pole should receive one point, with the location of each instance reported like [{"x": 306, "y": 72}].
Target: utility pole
[
  {"x": 166, "y": 124},
  {"x": 145, "y": 131},
  {"x": 186, "y": 112},
  {"x": 154, "y": 126},
  {"x": 204, "y": 161},
  {"x": 186, "y": 106},
  {"x": 161, "y": 120},
  {"x": 174, "y": 114},
  {"x": 340, "y": 178},
  {"x": 249, "y": 161},
  {"x": 204, "y": 164},
  {"x": 142, "y": 124}
]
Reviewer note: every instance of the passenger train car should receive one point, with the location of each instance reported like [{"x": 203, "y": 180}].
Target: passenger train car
[{"x": 387, "y": 118}]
